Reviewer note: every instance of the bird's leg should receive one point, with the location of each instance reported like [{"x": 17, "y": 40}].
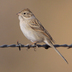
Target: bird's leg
[
  {"x": 28, "y": 46},
  {"x": 35, "y": 43}
]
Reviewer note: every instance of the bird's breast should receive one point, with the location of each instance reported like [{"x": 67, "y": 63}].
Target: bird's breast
[{"x": 29, "y": 33}]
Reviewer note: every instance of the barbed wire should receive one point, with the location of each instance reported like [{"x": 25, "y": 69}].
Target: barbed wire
[{"x": 19, "y": 45}]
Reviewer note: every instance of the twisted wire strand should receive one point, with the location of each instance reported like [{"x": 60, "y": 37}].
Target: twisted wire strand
[{"x": 19, "y": 45}]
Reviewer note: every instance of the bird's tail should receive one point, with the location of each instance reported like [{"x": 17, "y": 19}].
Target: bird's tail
[{"x": 49, "y": 43}]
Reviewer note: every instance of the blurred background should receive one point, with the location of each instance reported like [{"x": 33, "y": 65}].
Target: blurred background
[{"x": 55, "y": 16}]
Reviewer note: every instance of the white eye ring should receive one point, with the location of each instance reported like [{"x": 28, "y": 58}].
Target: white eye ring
[{"x": 24, "y": 13}]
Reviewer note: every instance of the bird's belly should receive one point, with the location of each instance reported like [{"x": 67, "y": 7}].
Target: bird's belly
[{"x": 32, "y": 35}]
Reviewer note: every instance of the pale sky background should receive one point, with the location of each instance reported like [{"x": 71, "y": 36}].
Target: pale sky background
[{"x": 55, "y": 16}]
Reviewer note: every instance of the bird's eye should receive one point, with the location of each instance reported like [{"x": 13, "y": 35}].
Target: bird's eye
[{"x": 24, "y": 13}]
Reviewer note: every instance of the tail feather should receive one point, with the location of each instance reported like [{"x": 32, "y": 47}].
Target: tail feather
[
  {"x": 59, "y": 53},
  {"x": 49, "y": 43}
]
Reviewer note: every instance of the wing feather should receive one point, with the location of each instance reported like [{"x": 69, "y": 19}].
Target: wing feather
[{"x": 36, "y": 25}]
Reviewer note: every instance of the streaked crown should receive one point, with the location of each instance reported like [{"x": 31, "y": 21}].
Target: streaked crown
[{"x": 26, "y": 13}]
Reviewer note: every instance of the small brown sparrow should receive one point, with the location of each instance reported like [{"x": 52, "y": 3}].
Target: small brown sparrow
[{"x": 34, "y": 31}]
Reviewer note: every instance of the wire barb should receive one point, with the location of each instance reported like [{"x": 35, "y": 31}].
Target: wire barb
[{"x": 19, "y": 46}]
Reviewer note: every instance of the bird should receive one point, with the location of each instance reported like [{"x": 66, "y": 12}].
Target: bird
[{"x": 34, "y": 31}]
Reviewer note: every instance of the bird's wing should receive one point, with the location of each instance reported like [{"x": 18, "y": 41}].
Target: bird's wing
[{"x": 36, "y": 25}]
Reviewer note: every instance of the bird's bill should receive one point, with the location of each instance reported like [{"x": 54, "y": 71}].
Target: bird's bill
[{"x": 18, "y": 13}]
